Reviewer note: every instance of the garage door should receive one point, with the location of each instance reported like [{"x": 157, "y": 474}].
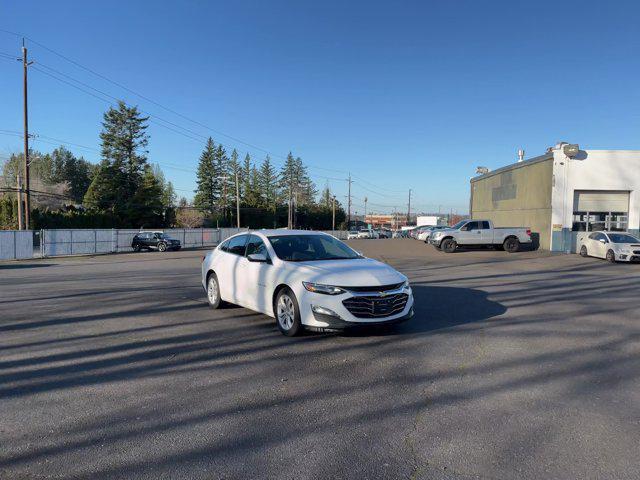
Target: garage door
[{"x": 601, "y": 201}]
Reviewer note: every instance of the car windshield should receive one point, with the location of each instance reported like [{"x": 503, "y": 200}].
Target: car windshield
[
  {"x": 306, "y": 248},
  {"x": 622, "y": 238},
  {"x": 459, "y": 224}
]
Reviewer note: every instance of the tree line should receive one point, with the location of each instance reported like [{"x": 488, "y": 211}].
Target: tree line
[
  {"x": 125, "y": 190},
  {"x": 268, "y": 197}
]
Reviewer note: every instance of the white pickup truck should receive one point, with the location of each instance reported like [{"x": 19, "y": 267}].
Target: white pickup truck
[{"x": 480, "y": 233}]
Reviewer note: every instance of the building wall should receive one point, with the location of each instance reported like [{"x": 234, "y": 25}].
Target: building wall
[
  {"x": 614, "y": 170},
  {"x": 517, "y": 196}
]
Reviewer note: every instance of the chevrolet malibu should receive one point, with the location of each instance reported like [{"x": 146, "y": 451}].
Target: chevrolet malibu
[{"x": 305, "y": 280}]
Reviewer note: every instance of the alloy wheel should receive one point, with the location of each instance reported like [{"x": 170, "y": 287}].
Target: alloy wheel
[
  {"x": 212, "y": 291},
  {"x": 286, "y": 312}
]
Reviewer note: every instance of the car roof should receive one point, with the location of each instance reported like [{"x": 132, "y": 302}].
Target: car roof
[{"x": 285, "y": 232}]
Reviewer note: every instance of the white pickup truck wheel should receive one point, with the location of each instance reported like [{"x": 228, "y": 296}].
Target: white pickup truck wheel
[
  {"x": 449, "y": 245},
  {"x": 511, "y": 245}
]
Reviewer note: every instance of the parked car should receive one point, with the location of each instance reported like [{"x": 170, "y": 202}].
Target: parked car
[
  {"x": 304, "y": 280},
  {"x": 385, "y": 233},
  {"x": 154, "y": 240},
  {"x": 400, "y": 234},
  {"x": 367, "y": 233},
  {"x": 353, "y": 234},
  {"x": 425, "y": 234},
  {"x": 418, "y": 230},
  {"x": 480, "y": 233},
  {"x": 613, "y": 246}
]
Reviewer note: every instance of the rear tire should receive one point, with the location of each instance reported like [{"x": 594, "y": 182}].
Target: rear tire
[
  {"x": 449, "y": 245},
  {"x": 162, "y": 247},
  {"x": 583, "y": 251},
  {"x": 511, "y": 245},
  {"x": 287, "y": 313},
  {"x": 611, "y": 256},
  {"x": 136, "y": 248}
]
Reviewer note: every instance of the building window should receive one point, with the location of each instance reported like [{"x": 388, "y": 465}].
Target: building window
[{"x": 594, "y": 221}]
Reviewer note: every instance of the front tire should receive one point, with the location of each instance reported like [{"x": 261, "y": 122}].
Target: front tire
[
  {"x": 162, "y": 247},
  {"x": 511, "y": 245},
  {"x": 449, "y": 245},
  {"x": 213, "y": 291},
  {"x": 583, "y": 251},
  {"x": 288, "y": 313},
  {"x": 611, "y": 256}
]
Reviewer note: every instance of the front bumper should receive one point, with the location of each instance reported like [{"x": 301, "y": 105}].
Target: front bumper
[
  {"x": 341, "y": 318},
  {"x": 336, "y": 324},
  {"x": 434, "y": 241},
  {"x": 628, "y": 257}
]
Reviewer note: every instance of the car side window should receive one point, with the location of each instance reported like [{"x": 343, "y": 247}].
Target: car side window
[
  {"x": 471, "y": 226},
  {"x": 237, "y": 245},
  {"x": 225, "y": 246},
  {"x": 256, "y": 245},
  {"x": 485, "y": 226},
  {"x": 593, "y": 236}
]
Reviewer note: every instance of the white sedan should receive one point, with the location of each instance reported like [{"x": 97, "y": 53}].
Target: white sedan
[
  {"x": 305, "y": 280},
  {"x": 614, "y": 246}
]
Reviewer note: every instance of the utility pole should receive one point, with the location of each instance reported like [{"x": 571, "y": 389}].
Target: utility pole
[
  {"x": 333, "y": 222},
  {"x": 224, "y": 199},
  {"x": 349, "y": 204},
  {"x": 409, "y": 209},
  {"x": 365, "y": 210},
  {"x": 27, "y": 207},
  {"x": 19, "y": 193},
  {"x": 237, "y": 199}
]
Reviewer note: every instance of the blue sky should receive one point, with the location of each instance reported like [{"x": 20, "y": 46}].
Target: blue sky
[{"x": 409, "y": 94}]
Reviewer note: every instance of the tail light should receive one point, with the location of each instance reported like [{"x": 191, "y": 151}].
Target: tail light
[{"x": 529, "y": 231}]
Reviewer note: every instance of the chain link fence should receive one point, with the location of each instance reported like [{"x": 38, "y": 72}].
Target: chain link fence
[{"x": 16, "y": 244}]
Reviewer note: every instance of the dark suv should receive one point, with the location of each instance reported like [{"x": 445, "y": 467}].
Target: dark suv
[{"x": 158, "y": 240}]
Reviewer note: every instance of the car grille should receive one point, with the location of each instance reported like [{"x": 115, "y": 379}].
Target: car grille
[
  {"x": 379, "y": 288},
  {"x": 375, "y": 306}
]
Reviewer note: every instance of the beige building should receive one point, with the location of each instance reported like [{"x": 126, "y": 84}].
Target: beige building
[{"x": 563, "y": 195}]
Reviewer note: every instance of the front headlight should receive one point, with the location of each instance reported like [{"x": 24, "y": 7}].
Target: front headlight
[
  {"x": 406, "y": 287},
  {"x": 324, "y": 289}
]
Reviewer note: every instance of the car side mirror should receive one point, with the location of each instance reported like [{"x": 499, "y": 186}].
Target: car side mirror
[
  {"x": 257, "y": 257},
  {"x": 602, "y": 240}
]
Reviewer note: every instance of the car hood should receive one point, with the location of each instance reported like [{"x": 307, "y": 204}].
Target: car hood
[
  {"x": 626, "y": 246},
  {"x": 359, "y": 272}
]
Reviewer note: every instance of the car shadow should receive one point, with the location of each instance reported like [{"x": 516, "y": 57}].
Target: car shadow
[{"x": 436, "y": 308}]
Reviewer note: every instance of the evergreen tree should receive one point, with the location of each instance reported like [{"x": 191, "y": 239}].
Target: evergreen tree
[
  {"x": 268, "y": 184},
  {"x": 326, "y": 198},
  {"x": 124, "y": 161},
  {"x": 288, "y": 178},
  {"x": 245, "y": 180},
  {"x": 306, "y": 191},
  {"x": 223, "y": 180},
  {"x": 207, "y": 193},
  {"x": 146, "y": 208}
]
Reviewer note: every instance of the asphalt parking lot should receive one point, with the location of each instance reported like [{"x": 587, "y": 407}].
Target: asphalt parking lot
[{"x": 515, "y": 366}]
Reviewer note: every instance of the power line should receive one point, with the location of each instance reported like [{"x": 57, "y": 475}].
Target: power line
[
  {"x": 152, "y": 118},
  {"x": 158, "y": 104},
  {"x": 164, "y": 107}
]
